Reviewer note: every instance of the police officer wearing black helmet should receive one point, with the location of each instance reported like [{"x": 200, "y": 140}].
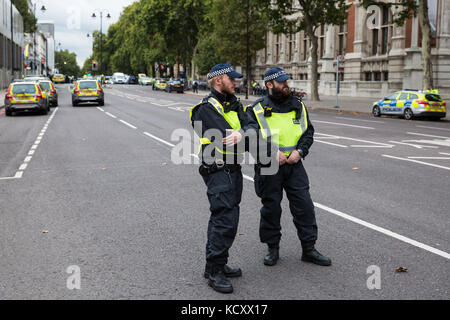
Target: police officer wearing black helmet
[
  {"x": 284, "y": 119},
  {"x": 221, "y": 172}
]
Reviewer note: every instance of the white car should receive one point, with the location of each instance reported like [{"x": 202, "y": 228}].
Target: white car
[{"x": 119, "y": 77}]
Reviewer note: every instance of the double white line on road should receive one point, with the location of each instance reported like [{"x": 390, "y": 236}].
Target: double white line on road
[
  {"x": 26, "y": 161},
  {"x": 343, "y": 215}
]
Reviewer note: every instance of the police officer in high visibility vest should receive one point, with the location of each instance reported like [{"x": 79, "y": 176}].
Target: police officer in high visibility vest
[
  {"x": 222, "y": 111},
  {"x": 284, "y": 118}
]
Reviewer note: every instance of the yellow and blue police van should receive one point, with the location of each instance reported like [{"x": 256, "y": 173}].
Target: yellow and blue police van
[{"x": 410, "y": 104}]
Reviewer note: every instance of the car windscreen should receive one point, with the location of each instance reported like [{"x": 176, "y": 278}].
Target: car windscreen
[
  {"x": 176, "y": 82},
  {"x": 46, "y": 85},
  {"x": 88, "y": 85},
  {"x": 433, "y": 97},
  {"x": 24, "y": 89}
]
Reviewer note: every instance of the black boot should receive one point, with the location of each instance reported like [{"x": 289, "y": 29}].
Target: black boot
[
  {"x": 218, "y": 281},
  {"x": 316, "y": 257},
  {"x": 228, "y": 271},
  {"x": 272, "y": 257}
]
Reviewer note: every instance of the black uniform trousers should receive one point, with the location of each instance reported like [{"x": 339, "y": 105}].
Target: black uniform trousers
[
  {"x": 294, "y": 180},
  {"x": 224, "y": 190}
]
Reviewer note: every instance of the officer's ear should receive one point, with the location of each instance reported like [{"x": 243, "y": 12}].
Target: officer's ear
[{"x": 269, "y": 85}]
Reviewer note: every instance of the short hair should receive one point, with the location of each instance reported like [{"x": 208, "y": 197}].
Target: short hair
[{"x": 212, "y": 81}]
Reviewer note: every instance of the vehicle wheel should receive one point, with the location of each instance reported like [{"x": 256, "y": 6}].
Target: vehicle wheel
[
  {"x": 8, "y": 113},
  {"x": 408, "y": 114},
  {"x": 56, "y": 104},
  {"x": 74, "y": 104},
  {"x": 376, "y": 111},
  {"x": 101, "y": 103},
  {"x": 45, "y": 111}
]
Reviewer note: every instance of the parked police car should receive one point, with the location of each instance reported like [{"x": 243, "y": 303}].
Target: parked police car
[{"x": 410, "y": 104}]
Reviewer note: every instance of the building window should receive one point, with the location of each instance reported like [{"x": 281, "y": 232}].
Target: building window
[
  {"x": 368, "y": 76},
  {"x": 386, "y": 75},
  {"x": 342, "y": 39},
  {"x": 377, "y": 76},
  {"x": 374, "y": 41},
  {"x": 291, "y": 51},
  {"x": 277, "y": 48},
  {"x": 322, "y": 41}
]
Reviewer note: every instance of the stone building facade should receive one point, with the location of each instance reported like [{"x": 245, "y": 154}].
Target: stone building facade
[{"x": 378, "y": 60}]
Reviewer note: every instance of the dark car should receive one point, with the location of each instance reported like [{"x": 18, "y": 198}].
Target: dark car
[
  {"x": 133, "y": 80},
  {"x": 175, "y": 85}
]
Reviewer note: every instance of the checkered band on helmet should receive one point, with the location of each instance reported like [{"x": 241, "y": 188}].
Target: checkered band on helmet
[
  {"x": 219, "y": 72},
  {"x": 274, "y": 76}
]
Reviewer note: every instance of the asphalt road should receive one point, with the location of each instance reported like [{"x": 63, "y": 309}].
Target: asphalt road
[{"x": 96, "y": 188}]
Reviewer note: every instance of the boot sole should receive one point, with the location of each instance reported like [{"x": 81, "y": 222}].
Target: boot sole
[
  {"x": 324, "y": 264},
  {"x": 221, "y": 290},
  {"x": 228, "y": 275},
  {"x": 270, "y": 264}
]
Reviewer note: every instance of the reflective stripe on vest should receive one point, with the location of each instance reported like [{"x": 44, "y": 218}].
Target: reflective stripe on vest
[
  {"x": 230, "y": 117},
  {"x": 282, "y": 127}
]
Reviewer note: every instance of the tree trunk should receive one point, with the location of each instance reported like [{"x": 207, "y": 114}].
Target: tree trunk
[
  {"x": 426, "y": 45},
  {"x": 314, "y": 67}
]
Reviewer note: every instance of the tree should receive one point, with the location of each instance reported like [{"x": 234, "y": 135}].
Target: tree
[
  {"x": 405, "y": 9},
  {"x": 66, "y": 62},
  {"x": 311, "y": 15},
  {"x": 29, "y": 20}
]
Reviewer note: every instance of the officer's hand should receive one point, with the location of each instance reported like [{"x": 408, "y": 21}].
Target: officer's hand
[
  {"x": 234, "y": 138},
  {"x": 282, "y": 158},
  {"x": 294, "y": 157}
]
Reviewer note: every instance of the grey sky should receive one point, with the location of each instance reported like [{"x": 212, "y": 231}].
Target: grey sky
[{"x": 73, "y": 21}]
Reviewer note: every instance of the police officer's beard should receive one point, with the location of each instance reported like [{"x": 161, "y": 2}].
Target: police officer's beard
[{"x": 280, "y": 93}]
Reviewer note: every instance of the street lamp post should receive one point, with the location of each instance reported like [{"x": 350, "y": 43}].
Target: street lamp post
[
  {"x": 101, "y": 36},
  {"x": 43, "y": 9}
]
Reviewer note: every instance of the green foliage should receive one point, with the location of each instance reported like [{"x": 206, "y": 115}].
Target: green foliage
[
  {"x": 207, "y": 55},
  {"x": 66, "y": 62},
  {"x": 29, "y": 21}
]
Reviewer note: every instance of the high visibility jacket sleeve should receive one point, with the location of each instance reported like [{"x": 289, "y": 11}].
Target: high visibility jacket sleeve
[{"x": 307, "y": 138}]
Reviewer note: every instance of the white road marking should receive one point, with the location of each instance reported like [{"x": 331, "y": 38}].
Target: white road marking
[
  {"x": 358, "y": 140},
  {"x": 333, "y": 144},
  {"x": 444, "y": 153},
  {"x": 427, "y": 135},
  {"x": 159, "y": 139},
  {"x": 445, "y": 143},
  {"x": 18, "y": 175},
  {"x": 111, "y": 115},
  {"x": 376, "y": 228},
  {"x": 128, "y": 124},
  {"x": 414, "y": 145},
  {"x": 374, "y": 121},
  {"x": 28, "y": 159},
  {"x": 100, "y": 109},
  {"x": 344, "y": 124},
  {"x": 430, "y": 158},
  {"x": 23, "y": 167},
  {"x": 433, "y": 128},
  {"x": 420, "y": 162}
]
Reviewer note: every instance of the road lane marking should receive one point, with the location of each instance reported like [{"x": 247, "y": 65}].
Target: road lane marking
[
  {"x": 128, "y": 124},
  {"x": 100, "y": 109},
  {"x": 433, "y": 128},
  {"x": 159, "y": 139},
  {"x": 358, "y": 140},
  {"x": 330, "y": 143},
  {"x": 444, "y": 153},
  {"x": 416, "y": 161},
  {"x": 374, "y": 121},
  {"x": 384, "y": 231},
  {"x": 344, "y": 124},
  {"x": 111, "y": 115},
  {"x": 427, "y": 135},
  {"x": 23, "y": 167},
  {"x": 430, "y": 158},
  {"x": 418, "y": 146},
  {"x": 376, "y": 228}
]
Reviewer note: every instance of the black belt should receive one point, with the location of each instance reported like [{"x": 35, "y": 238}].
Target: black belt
[{"x": 206, "y": 170}]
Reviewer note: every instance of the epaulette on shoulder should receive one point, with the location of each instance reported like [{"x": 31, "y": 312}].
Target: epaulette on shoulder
[{"x": 257, "y": 101}]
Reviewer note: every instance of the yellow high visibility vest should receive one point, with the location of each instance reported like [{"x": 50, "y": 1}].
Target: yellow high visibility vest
[
  {"x": 231, "y": 117},
  {"x": 282, "y": 127}
]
